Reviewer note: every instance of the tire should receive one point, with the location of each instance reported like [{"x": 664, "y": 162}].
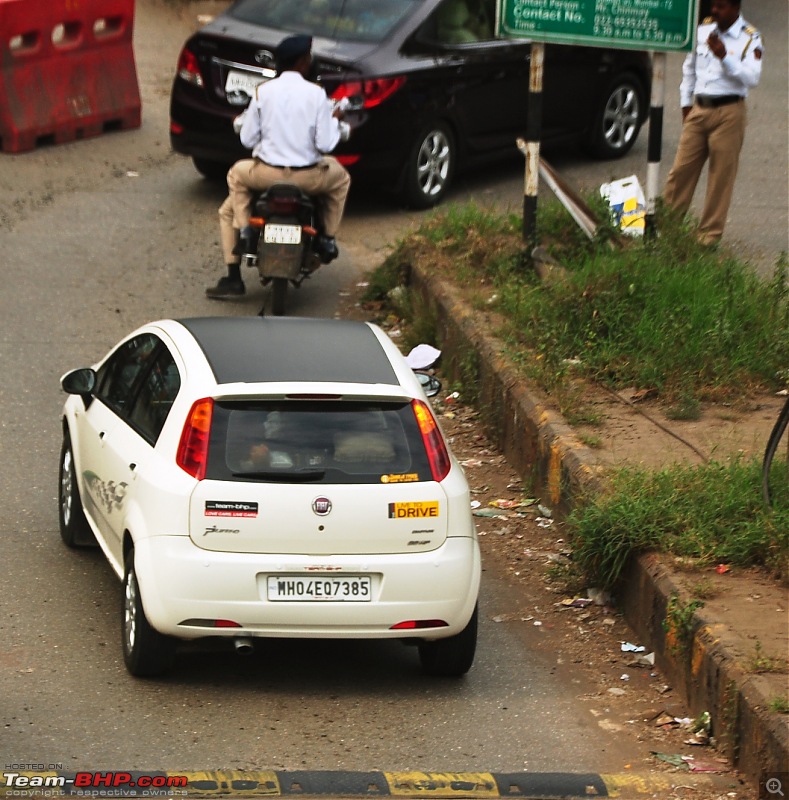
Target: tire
[
  {"x": 279, "y": 290},
  {"x": 146, "y": 652},
  {"x": 618, "y": 118},
  {"x": 212, "y": 170},
  {"x": 430, "y": 167},
  {"x": 74, "y": 528},
  {"x": 452, "y": 657}
]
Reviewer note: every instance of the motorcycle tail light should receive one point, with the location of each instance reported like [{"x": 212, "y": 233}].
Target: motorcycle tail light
[
  {"x": 256, "y": 222},
  {"x": 282, "y": 205},
  {"x": 192, "y": 455},
  {"x": 436, "y": 450},
  {"x": 188, "y": 68},
  {"x": 373, "y": 91}
]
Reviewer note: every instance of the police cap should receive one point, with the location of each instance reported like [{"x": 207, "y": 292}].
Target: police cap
[{"x": 291, "y": 49}]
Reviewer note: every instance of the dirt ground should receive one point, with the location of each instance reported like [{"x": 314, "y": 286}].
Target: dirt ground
[{"x": 528, "y": 546}]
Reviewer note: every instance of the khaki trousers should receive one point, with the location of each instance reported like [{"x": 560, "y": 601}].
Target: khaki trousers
[
  {"x": 328, "y": 179},
  {"x": 716, "y": 134}
]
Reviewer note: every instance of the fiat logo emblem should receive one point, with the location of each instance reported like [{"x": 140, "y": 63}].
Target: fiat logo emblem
[{"x": 321, "y": 506}]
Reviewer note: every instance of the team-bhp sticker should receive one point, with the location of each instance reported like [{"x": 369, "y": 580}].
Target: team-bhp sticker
[
  {"x": 413, "y": 510},
  {"x": 94, "y": 780},
  {"x": 227, "y": 508}
]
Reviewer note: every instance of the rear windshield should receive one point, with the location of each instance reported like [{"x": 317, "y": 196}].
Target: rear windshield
[
  {"x": 316, "y": 442},
  {"x": 356, "y": 20}
]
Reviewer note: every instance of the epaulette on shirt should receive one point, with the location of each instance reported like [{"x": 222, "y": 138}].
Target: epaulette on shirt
[
  {"x": 707, "y": 21},
  {"x": 752, "y": 34}
]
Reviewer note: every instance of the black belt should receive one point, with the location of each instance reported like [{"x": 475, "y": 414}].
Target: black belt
[
  {"x": 713, "y": 101},
  {"x": 277, "y": 166}
]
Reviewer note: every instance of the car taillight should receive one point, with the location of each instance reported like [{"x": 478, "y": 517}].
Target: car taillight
[
  {"x": 373, "y": 92},
  {"x": 188, "y": 69},
  {"x": 192, "y": 453},
  {"x": 437, "y": 453}
]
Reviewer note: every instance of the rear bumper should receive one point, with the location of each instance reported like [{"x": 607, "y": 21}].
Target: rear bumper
[{"x": 179, "y": 583}]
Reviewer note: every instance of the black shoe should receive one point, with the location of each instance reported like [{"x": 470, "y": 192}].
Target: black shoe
[
  {"x": 226, "y": 288},
  {"x": 326, "y": 248}
]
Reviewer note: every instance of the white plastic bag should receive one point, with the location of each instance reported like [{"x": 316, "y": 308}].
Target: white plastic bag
[{"x": 628, "y": 205}]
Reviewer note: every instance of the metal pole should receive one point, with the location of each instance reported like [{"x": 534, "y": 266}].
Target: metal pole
[
  {"x": 533, "y": 134},
  {"x": 655, "y": 144}
]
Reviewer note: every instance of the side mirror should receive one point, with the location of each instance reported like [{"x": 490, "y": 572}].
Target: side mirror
[
  {"x": 79, "y": 381},
  {"x": 430, "y": 383}
]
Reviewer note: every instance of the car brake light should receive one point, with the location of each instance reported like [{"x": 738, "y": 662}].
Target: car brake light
[
  {"x": 192, "y": 455},
  {"x": 188, "y": 69},
  {"x": 437, "y": 453},
  {"x": 413, "y": 624},
  {"x": 373, "y": 92}
]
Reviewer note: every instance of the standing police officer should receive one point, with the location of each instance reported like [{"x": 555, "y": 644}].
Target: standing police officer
[{"x": 716, "y": 77}]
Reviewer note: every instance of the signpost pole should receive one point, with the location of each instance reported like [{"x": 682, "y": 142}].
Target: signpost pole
[
  {"x": 533, "y": 133},
  {"x": 655, "y": 144}
]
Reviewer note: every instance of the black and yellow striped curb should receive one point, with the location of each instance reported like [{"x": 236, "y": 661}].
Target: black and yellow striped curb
[{"x": 340, "y": 784}]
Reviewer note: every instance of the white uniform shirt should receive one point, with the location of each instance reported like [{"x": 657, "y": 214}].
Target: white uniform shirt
[
  {"x": 739, "y": 70},
  {"x": 289, "y": 122}
]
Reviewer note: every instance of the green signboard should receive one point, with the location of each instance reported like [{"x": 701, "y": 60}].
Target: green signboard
[{"x": 635, "y": 24}]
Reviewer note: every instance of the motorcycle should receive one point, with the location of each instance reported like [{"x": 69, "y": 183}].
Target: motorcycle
[
  {"x": 283, "y": 238},
  {"x": 282, "y": 241}
]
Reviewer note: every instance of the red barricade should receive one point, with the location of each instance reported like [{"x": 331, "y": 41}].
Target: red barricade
[{"x": 67, "y": 71}]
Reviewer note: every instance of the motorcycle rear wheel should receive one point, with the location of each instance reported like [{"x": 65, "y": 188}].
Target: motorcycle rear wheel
[{"x": 279, "y": 288}]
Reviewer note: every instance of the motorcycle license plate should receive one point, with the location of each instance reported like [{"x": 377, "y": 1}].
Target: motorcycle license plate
[
  {"x": 295, "y": 588},
  {"x": 282, "y": 234}
]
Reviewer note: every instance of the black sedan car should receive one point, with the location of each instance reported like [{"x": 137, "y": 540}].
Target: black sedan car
[{"x": 434, "y": 89}]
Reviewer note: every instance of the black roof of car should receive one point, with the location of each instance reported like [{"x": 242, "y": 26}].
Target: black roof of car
[{"x": 269, "y": 349}]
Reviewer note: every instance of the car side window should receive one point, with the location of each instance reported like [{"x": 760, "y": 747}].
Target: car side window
[
  {"x": 155, "y": 397},
  {"x": 460, "y": 22},
  {"x": 119, "y": 375}
]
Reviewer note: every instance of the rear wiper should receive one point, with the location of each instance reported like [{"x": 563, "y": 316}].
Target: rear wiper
[{"x": 283, "y": 475}]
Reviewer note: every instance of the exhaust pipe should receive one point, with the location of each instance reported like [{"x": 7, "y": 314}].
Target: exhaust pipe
[{"x": 243, "y": 646}]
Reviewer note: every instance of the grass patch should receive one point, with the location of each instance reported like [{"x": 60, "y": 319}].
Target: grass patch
[
  {"x": 683, "y": 322},
  {"x": 711, "y": 514}
]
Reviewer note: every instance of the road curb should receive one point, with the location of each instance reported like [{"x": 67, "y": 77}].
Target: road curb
[
  {"x": 338, "y": 784},
  {"x": 542, "y": 447}
]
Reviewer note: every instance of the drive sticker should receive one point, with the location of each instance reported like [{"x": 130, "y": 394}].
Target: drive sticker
[
  {"x": 412, "y": 510},
  {"x": 224, "y": 508},
  {"x": 408, "y": 477}
]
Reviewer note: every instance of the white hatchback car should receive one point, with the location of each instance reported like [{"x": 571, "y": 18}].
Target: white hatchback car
[{"x": 270, "y": 477}]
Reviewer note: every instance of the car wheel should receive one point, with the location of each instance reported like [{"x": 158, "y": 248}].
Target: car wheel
[
  {"x": 430, "y": 166},
  {"x": 618, "y": 118},
  {"x": 213, "y": 170},
  {"x": 146, "y": 652},
  {"x": 452, "y": 657},
  {"x": 74, "y": 528}
]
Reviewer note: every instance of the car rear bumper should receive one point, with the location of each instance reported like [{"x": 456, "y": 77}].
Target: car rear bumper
[{"x": 183, "y": 588}]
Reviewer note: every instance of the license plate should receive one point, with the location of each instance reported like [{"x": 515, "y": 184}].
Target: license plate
[
  {"x": 245, "y": 82},
  {"x": 290, "y": 588},
  {"x": 282, "y": 234}
]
